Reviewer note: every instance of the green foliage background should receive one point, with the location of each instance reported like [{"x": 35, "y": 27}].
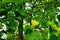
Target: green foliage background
[{"x": 43, "y": 11}]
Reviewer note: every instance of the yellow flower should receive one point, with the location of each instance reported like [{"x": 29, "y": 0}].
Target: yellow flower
[{"x": 34, "y": 23}]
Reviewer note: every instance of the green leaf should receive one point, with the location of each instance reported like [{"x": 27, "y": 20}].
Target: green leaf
[
  {"x": 33, "y": 35},
  {"x": 28, "y": 31},
  {"x": 12, "y": 24},
  {"x": 18, "y": 1},
  {"x": 59, "y": 37},
  {"x": 11, "y": 30},
  {"x": 58, "y": 17},
  {"x": 15, "y": 1},
  {"x": 10, "y": 36},
  {"x": 21, "y": 11},
  {"x": 0, "y": 34},
  {"x": 6, "y": 1},
  {"x": 53, "y": 37}
]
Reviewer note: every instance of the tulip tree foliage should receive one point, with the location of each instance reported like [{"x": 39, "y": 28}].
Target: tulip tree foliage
[{"x": 29, "y": 19}]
